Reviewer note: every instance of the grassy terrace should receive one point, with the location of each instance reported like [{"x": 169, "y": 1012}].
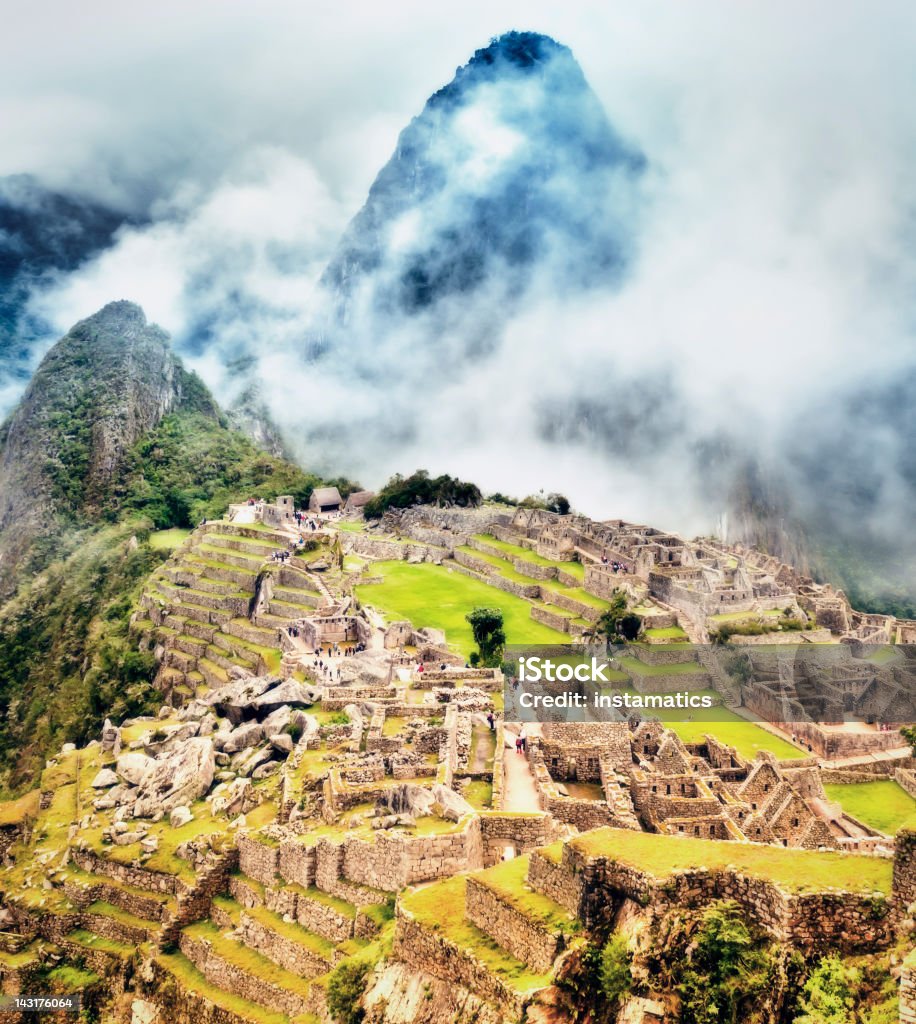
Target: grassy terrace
[
  {"x": 576, "y": 569},
  {"x": 190, "y": 978},
  {"x": 432, "y": 595},
  {"x": 440, "y": 908},
  {"x": 793, "y": 870},
  {"x": 680, "y": 668},
  {"x": 247, "y": 959},
  {"x": 881, "y": 804},
  {"x": 168, "y": 540},
  {"x": 509, "y": 881}
]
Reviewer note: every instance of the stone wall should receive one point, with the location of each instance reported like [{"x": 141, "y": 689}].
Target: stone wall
[
  {"x": 905, "y": 867},
  {"x": 293, "y": 956},
  {"x": 233, "y": 979},
  {"x": 522, "y": 831},
  {"x": 257, "y": 860},
  {"x": 435, "y": 954},
  {"x": 142, "y": 878},
  {"x": 908, "y": 990},
  {"x": 548, "y": 876},
  {"x": 512, "y": 930}
]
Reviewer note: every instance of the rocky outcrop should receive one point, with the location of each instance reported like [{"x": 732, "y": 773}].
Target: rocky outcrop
[
  {"x": 104, "y": 385},
  {"x": 181, "y": 777}
]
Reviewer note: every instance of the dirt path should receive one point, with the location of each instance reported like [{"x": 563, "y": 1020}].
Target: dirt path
[{"x": 519, "y": 790}]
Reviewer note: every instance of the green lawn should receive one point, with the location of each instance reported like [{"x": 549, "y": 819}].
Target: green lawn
[
  {"x": 168, "y": 540},
  {"x": 882, "y": 804},
  {"x": 431, "y": 595},
  {"x": 746, "y": 737},
  {"x": 796, "y": 870}
]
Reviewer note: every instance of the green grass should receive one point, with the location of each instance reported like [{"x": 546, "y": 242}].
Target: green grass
[
  {"x": 746, "y": 737},
  {"x": 516, "y": 551},
  {"x": 794, "y": 870},
  {"x": 190, "y": 979},
  {"x": 881, "y": 804},
  {"x": 71, "y": 979},
  {"x": 431, "y": 595},
  {"x": 168, "y": 540},
  {"x": 509, "y": 881},
  {"x": 479, "y": 794},
  {"x": 348, "y": 526},
  {"x": 666, "y": 633},
  {"x": 440, "y": 908},
  {"x": 248, "y": 960}
]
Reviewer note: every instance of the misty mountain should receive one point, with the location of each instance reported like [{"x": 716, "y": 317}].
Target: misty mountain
[
  {"x": 42, "y": 234},
  {"x": 512, "y": 169}
]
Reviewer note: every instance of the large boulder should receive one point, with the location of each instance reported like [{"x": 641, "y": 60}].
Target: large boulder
[
  {"x": 106, "y": 778},
  {"x": 180, "y": 777},
  {"x": 290, "y": 692},
  {"x": 245, "y": 762},
  {"x": 235, "y": 700},
  {"x": 278, "y": 720},
  {"x": 418, "y": 801},
  {"x": 248, "y": 735},
  {"x": 133, "y": 767}
]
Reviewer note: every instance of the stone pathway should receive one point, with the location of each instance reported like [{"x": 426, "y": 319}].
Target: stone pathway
[{"x": 519, "y": 790}]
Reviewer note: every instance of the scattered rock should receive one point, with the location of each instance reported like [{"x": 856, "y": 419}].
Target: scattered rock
[
  {"x": 179, "y": 816},
  {"x": 111, "y": 738},
  {"x": 180, "y": 777},
  {"x": 105, "y": 779}
]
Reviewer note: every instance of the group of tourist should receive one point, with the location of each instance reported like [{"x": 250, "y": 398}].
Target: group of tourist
[
  {"x": 521, "y": 742},
  {"x": 305, "y": 522},
  {"x": 280, "y": 556},
  {"x": 615, "y": 566}
]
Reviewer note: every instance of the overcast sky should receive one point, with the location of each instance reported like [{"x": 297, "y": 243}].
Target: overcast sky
[{"x": 781, "y": 196}]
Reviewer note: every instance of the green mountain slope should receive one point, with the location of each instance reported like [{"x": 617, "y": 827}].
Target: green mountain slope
[{"x": 112, "y": 440}]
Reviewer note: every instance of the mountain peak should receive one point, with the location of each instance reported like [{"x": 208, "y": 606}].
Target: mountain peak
[
  {"x": 106, "y": 383},
  {"x": 512, "y": 166}
]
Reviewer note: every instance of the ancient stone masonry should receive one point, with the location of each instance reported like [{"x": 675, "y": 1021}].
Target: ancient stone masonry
[{"x": 321, "y": 783}]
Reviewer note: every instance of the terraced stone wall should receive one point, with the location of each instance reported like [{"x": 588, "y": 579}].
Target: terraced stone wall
[
  {"x": 511, "y": 929},
  {"x": 428, "y": 951}
]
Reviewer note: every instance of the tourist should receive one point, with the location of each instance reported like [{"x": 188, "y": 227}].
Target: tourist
[
  {"x": 518, "y": 744},
  {"x": 491, "y": 721},
  {"x": 523, "y": 739}
]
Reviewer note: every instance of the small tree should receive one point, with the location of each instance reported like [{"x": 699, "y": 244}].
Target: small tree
[
  {"x": 345, "y": 990},
  {"x": 827, "y": 995},
  {"x": 487, "y": 626},
  {"x": 614, "y": 974},
  {"x": 908, "y": 732},
  {"x": 558, "y": 503},
  {"x": 617, "y": 623}
]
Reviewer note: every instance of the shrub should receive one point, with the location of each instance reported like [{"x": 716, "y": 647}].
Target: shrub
[
  {"x": 614, "y": 975},
  {"x": 345, "y": 990},
  {"x": 827, "y": 995}
]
